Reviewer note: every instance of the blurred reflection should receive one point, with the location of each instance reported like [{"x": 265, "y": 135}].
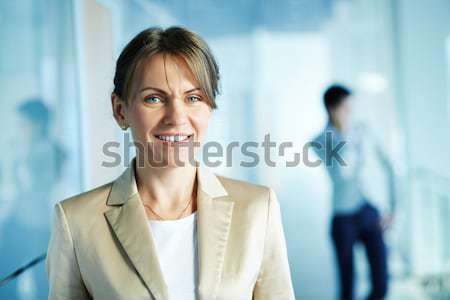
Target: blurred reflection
[{"x": 37, "y": 166}]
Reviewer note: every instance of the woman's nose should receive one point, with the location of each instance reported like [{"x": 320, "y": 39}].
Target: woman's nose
[{"x": 175, "y": 113}]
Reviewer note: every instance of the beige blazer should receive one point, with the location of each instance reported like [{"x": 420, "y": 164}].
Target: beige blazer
[{"x": 102, "y": 248}]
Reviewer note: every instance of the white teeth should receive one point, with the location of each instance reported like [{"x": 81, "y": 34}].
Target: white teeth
[{"x": 173, "y": 138}]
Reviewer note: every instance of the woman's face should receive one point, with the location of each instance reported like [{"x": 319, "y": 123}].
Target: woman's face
[{"x": 167, "y": 111}]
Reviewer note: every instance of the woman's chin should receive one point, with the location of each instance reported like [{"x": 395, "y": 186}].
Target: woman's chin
[{"x": 172, "y": 162}]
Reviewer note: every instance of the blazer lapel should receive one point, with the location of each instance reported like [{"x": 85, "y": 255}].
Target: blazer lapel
[
  {"x": 128, "y": 220},
  {"x": 215, "y": 210}
]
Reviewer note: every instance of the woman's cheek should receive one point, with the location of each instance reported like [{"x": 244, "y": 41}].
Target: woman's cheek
[{"x": 202, "y": 127}]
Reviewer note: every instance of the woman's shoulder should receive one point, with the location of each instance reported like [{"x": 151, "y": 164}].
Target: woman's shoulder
[
  {"x": 233, "y": 183},
  {"x": 245, "y": 191},
  {"x": 90, "y": 201},
  {"x": 250, "y": 199}
]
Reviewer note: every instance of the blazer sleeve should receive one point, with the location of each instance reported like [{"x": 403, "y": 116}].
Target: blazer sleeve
[
  {"x": 274, "y": 279},
  {"x": 64, "y": 275}
]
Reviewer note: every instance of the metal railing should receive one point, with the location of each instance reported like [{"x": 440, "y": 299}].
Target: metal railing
[{"x": 22, "y": 269}]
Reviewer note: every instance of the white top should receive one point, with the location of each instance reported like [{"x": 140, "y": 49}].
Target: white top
[{"x": 176, "y": 246}]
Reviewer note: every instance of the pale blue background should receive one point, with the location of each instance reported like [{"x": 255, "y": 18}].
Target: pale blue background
[{"x": 276, "y": 58}]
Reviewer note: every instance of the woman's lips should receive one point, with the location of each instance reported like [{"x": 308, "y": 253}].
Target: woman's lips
[{"x": 173, "y": 138}]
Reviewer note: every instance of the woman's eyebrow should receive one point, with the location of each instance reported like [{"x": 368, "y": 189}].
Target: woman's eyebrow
[
  {"x": 192, "y": 90},
  {"x": 164, "y": 92},
  {"x": 152, "y": 88}
]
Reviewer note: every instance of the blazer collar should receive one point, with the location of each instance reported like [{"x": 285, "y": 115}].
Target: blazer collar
[
  {"x": 128, "y": 220},
  {"x": 124, "y": 187}
]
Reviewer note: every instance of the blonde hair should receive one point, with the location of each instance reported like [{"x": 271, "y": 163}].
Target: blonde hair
[{"x": 175, "y": 41}]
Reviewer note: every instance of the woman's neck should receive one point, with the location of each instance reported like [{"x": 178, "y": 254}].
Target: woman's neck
[{"x": 168, "y": 190}]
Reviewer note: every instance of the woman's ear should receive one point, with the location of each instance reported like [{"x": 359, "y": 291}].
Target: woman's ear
[{"x": 119, "y": 111}]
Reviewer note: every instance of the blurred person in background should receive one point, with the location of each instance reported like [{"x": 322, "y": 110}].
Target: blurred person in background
[
  {"x": 354, "y": 218},
  {"x": 37, "y": 167}
]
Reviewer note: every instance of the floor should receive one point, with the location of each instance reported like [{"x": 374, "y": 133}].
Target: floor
[{"x": 407, "y": 289}]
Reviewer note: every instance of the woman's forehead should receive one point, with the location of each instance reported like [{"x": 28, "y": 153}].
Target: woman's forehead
[{"x": 165, "y": 70}]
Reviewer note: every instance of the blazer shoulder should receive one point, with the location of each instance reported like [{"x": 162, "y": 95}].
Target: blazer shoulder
[
  {"x": 88, "y": 202},
  {"x": 247, "y": 191}
]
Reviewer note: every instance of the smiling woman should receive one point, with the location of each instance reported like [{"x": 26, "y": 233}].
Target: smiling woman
[
  {"x": 170, "y": 230},
  {"x": 165, "y": 107}
]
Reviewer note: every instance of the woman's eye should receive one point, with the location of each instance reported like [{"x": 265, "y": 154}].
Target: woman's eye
[
  {"x": 152, "y": 99},
  {"x": 194, "y": 99}
]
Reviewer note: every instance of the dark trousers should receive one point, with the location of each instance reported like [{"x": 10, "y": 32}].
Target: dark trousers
[{"x": 362, "y": 226}]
